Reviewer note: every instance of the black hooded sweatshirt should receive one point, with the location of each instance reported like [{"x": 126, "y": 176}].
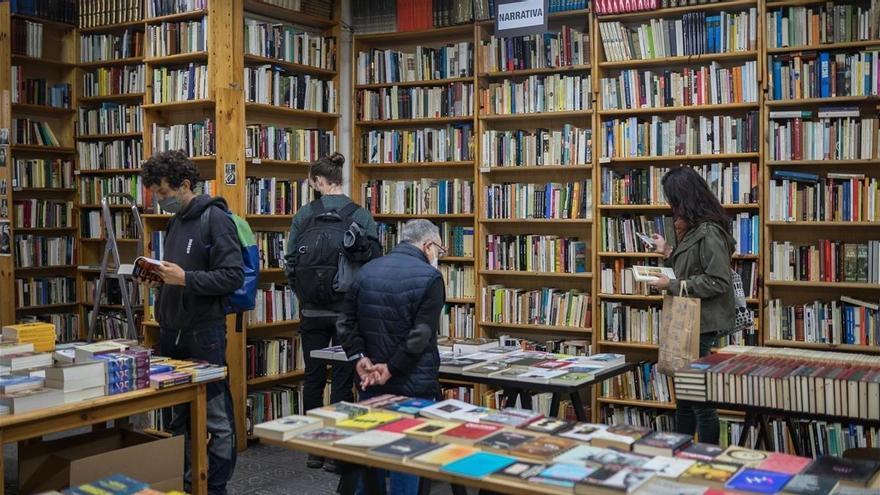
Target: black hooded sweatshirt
[{"x": 211, "y": 273}]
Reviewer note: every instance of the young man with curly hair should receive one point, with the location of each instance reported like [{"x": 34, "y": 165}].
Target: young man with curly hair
[{"x": 196, "y": 276}]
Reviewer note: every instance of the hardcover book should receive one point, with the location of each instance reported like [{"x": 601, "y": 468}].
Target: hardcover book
[
  {"x": 468, "y": 433},
  {"x": 662, "y": 443},
  {"x": 445, "y": 454},
  {"x": 711, "y": 473},
  {"x": 613, "y": 479},
  {"x": 285, "y": 428},
  {"x": 620, "y": 437},
  {"x": 478, "y": 465},
  {"x": 543, "y": 448},
  {"x": 758, "y": 481},
  {"x": 405, "y": 448},
  {"x": 810, "y": 484},
  {"x": 504, "y": 441},
  {"x": 851, "y": 472},
  {"x": 701, "y": 452},
  {"x": 583, "y": 432},
  {"x": 784, "y": 463},
  {"x": 368, "y": 421},
  {"x": 337, "y": 412},
  {"x": 549, "y": 425},
  {"x": 742, "y": 455},
  {"x": 520, "y": 470}
]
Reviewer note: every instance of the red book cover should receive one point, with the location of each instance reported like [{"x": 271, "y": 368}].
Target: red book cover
[
  {"x": 401, "y": 425},
  {"x": 472, "y": 431}
]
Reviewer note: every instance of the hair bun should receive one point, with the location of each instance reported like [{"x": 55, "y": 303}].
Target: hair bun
[{"x": 338, "y": 159}]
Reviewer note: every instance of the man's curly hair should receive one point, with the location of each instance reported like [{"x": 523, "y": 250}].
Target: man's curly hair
[{"x": 174, "y": 166}]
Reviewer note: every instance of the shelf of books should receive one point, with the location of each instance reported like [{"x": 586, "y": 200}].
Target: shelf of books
[
  {"x": 675, "y": 87},
  {"x": 414, "y": 147},
  {"x": 536, "y": 184},
  {"x": 291, "y": 98},
  {"x": 109, "y": 141},
  {"x": 37, "y": 154},
  {"x": 821, "y": 184}
]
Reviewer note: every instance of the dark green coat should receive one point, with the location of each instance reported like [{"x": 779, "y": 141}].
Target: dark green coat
[{"x": 702, "y": 259}]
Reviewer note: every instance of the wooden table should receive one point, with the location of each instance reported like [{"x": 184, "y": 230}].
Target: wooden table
[
  {"x": 360, "y": 457},
  {"x": 18, "y": 427}
]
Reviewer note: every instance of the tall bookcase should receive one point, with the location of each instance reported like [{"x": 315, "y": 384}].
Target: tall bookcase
[
  {"x": 632, "y": 160},
  {"x": 390, "y": 147}
]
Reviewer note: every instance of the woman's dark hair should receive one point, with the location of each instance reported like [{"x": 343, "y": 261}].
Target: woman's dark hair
[
  {"x": 329, "y": 167},
  {"x": 173, "y": 166},
  {"x": 691, "y": 199}
]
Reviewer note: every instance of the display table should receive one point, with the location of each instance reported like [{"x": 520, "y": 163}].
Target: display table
[
  {"x": 18, "y": 427},
  {"x": 362, "y": 458},
  {"x": 513, "y": 388}
]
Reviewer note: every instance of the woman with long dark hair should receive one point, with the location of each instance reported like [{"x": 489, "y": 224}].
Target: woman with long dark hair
[{"x": 701, "y": 259}]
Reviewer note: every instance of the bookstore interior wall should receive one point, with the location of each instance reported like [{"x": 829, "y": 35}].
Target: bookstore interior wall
[{"x": 538, "y": 156}]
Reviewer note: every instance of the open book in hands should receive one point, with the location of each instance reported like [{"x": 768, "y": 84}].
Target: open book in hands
[
  {"x": 145, "y": 269},
  {"x": 651, "y": 273}
]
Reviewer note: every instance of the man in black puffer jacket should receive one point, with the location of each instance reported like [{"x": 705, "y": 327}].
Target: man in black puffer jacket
[{"x": 390, "y": 319}]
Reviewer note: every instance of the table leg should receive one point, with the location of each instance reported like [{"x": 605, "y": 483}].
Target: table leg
[
  {"x": 578, "y": 405},
  {"x": 799, "y": 447},
  {"x": 747, "y": 425},
  {"x": 554, "y": 406},
  {"x": 525, "y": 399},
  {"x": 2, "y": 467},
  {"x": 198, "y": 416},
  {"x": 458, "y": 489}
]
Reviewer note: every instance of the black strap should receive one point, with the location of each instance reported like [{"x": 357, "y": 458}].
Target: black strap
[
  {"x": 205, "y": 226},
  {"x": 347, "y": 211}
]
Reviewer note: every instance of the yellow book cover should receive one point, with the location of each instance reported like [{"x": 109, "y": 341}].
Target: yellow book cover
[
  {"x": 368, "y": 421},
  {"x": 445, "y": 455}
]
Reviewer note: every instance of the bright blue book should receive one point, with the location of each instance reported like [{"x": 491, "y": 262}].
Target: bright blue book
[
  {"x": 478, "y": 465},
  {"x": 824, "y": 75},
  {"x": 411, "y": 406},
  {"x": 796, "y": 176},
  {"x": 758, "y": 481},
  {"x": 565, "y": 472}
]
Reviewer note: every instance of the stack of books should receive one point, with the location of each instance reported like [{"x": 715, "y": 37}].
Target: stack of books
[
  {"x": 40, "y": 334},
  {"x": 78, "y": 381}
]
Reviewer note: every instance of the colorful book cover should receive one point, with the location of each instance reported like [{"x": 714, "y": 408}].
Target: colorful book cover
[
  {"x": 701, "y": 452},
  {"x": 854, "y": 471},
  {"x": 549, "y": 425},
  {"x": 758, "y": 481},
  {"x": 618, "y": 478},
  {"x": 325, "y": 435},
  {"x": 430, "y": 429},
  {"x": 401, "y": 425},
  {"x": 368, "y": 421},
  {"x": 504, "y": 440},
  {"x": 571, "y": 473},
  {"x": 478, "y": 465},
  {"x": 785, "y": 463},
  {"x": 470, "y": 432},
  {"x": 542, "y": 448},
  {"x": 445, "y": 454},
  {"x": 598, "y": 457},
  {"x": 409, "y": 406},
  {"x": 742, "y": 455},
  {"x": 405, "y": 448},
  {"x": 583, "y": 432},
  {"x": 662, "y": 443},
  {"x": 520, "y": 470},
  {"x": 710, "y": 472},
  {"x": 668, "y": 467},
  {"x": 810, "y": 484}
]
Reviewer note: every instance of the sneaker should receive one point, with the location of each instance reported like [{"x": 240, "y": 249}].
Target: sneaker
[
  {"x": 331, "y": 466},
  {"x": 314, "y": 462}
]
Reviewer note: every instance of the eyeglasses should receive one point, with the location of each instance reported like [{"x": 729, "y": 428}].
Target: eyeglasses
[{"x": 441, "y": 251}]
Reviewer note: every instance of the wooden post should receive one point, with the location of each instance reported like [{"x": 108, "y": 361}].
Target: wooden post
[{"x": 7, "y": 266}]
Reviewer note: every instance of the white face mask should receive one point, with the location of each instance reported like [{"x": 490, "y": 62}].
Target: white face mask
[{"x": 435, "y": 263}]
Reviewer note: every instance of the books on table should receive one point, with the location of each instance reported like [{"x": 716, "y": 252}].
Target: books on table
[
  {"x": 504, "y": 441},
  {"x": 405, "y": 448},
  {"x": 564, "y": 475},
  {"x": 661, "y": 443},
  {"x": 478, "y": 465},
  {"x": 613, "y": 479},
  {"x": 326, "y": 434},
  {"x": 337, "y": 412},
  {"x": 368, "y": 421},
  {"x": 810, "y": 484},
  {"x": 583, "y": 432},
  {"x": 758, "y": 481},
  {"x": 711, "y": 473},
  {"x": 742, "y": 455},
  {"x": 468, "y": 433},
  {"x": 620, "y": 437},
  {"x": 283, "y": 429},
  {"x": 31, "y": 400},
  {"x": 445, "y": 454},
  {"x": 543, "y": 447},
  {"x": 668, "y": 467},
  {"x": 512, "y": 417},
  {"x": 370, "y": 439},
  {"x": 520, "y": 470}
]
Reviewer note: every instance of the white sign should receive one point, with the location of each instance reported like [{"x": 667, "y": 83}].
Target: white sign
[{"x": 520, "y": 17}]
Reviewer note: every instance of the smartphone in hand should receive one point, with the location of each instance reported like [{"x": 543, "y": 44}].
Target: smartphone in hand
[{"x": 646, "y": 239}]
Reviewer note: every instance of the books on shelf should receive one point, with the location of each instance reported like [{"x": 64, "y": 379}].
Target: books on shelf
[
  {"x": 837, "y": 134},
  {"x": 847, "y": 321},
  {"x": 822, "y": 74},
  {"x": 195, "y": 138},
  {"x": 54, "y": 173},
  {"x": 110, "y": 118},
  {"x": 571, "y": 200},
  {"x": 277, "y": 196},
  {"x": 415, "y": 15},
  {"x": 536, "y": 253},
  {"x": 33, "y": 251},
  {"x": 288, "y": 143},
  {"x": 617, "y": 234},
  {"x": 564, "y": 48},
  {"x": 41, "y": 213},
  {"x": 449, "y": 100},
  {"x": 92, "y": 225},
  {"x": 441, "y": 144},
  {"x": 417, "y": 197},
  {"x": 812, "y": 25},
  {"x": 272, "y": 248},
  {"x": 110, "y": 81},
  {"x": 568, "y": 145},
  {"x": 94, "y": 13},
  {"x": 604, "y": 7},
  {"x": 644, "y": 383},
  {"x": 683, "y": 135},
  {"x": 270, "y": 85},
  {"x": 548, "y": 306},
  {"x": 172, "y": 38},
  {"x": 623, "y": 322},
  {"x": 732, "y": 183},
  {"x": 289, "y": 43},
  {"x": 457, "y": 239},
  {"x": 104, "y": 47},
  {"x": 826, "y": 261},
  {"x": 158, "y": 8},
  {"x": 618, "y": 277},
  {"x": 27, "y": 38},
  {"x": 832, "y": 197},
  {"x": 459, "y": 280},
  {"x": 185, "y": 83},
  {"x": 457, "y": 320},
  {"x": 39, "y": 91},
  {"x": 694, "y": 33},
  {"x": 63, "y": 11},
  {"x": 110, "y": 155},
  {"x": 272, "y": 403},
  {"x": 44, "y": 291},
  {"x": 537, "y": 94},
  {"x": 378, "y": 66},
  {"x": 33, "y": 132},
  {"x": 274, "y": 303},
  {"x": 275, "y": 356},
  {"x": 746, "y": 231},
  {"x": 714, "y": 84},
  {"x": 93, "y": 189}
]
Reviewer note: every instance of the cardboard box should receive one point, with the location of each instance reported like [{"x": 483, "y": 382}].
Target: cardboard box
[{"x": 72, "y": 461}]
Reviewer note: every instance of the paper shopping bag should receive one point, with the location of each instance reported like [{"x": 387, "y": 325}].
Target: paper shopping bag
[{"x": 680, "y": 341}]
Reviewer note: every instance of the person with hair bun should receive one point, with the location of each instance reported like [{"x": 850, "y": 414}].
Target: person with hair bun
[{"x": 329, "y": 239}]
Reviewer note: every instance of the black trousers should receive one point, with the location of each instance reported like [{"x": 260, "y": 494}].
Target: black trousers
[
  {"x": 318, "y": 333},
  {"x": 690, "y": 419}
]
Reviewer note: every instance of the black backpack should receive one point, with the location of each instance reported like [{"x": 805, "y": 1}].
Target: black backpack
[{"x": 318, "y": 254}]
